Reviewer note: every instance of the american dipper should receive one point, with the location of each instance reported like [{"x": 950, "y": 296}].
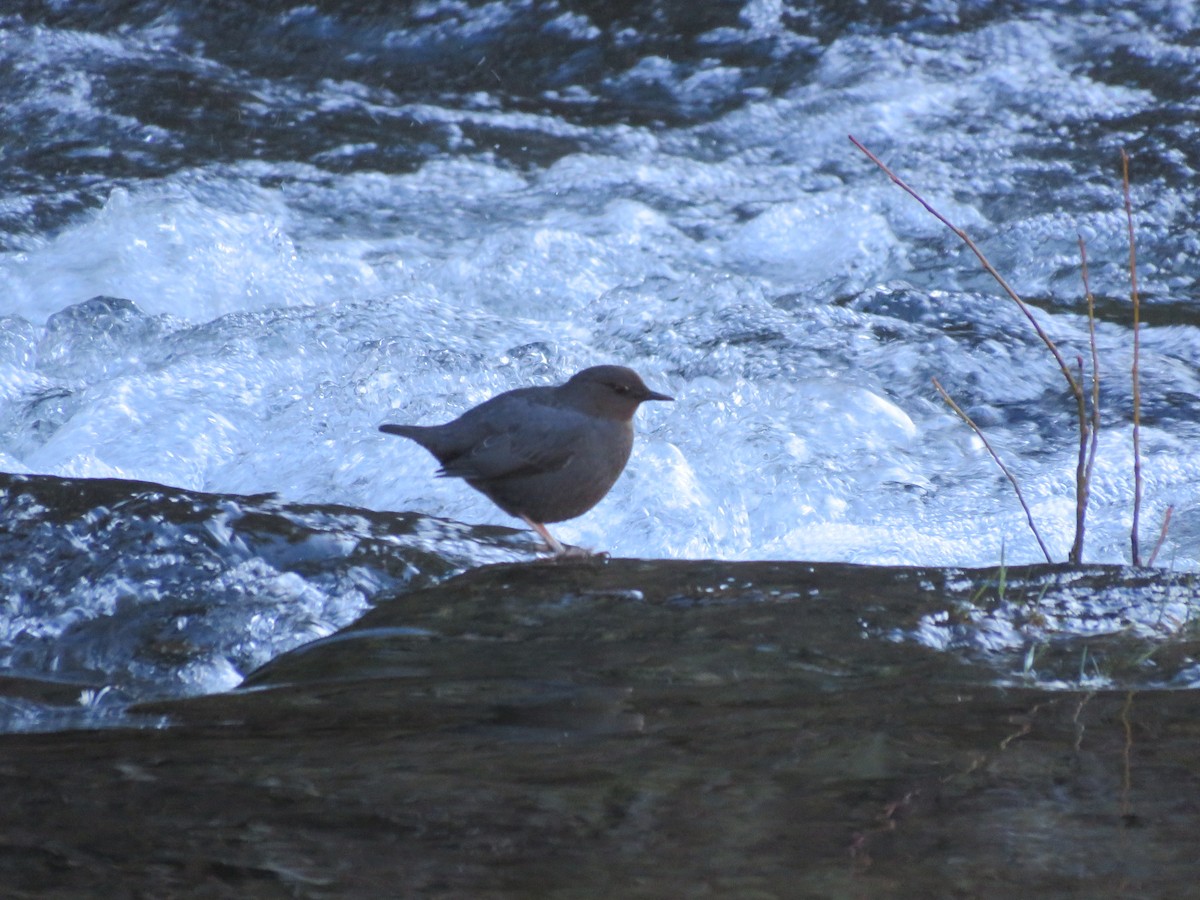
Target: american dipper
[{"x": 543, "y": 454}]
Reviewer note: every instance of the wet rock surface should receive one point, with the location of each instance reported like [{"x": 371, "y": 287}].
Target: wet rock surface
[{"x": 628, "y": 728}]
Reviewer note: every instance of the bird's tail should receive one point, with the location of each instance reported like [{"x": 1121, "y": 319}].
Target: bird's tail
[{"x": 408, "y": 431}]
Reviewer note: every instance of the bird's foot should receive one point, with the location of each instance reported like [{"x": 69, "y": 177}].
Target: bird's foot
[
  {"x": 568, "y": 551},
  {"x": 559, "y": 549}
]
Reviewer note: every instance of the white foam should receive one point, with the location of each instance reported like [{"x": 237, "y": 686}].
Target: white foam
[{"x": 755, "y": 266}]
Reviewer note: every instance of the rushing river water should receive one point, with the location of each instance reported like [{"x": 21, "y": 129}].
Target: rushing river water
[{"x": 313, "y": 219}]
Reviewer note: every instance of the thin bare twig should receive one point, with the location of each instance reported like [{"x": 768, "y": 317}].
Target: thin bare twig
[
  {"x": 1074, "y": 384},
  {"x": 1003, "y": 468},
  {"x": 1076, "y": 390},
  {"x": 1081, "y": 483},
  {"x": 1137, "y": 388},
  {"x": 1162, "y": 534},
  {"x": 1091, "y": 306},
  {"x": 1088, "y": 436},
  {"x": 1082, "y": 489}
]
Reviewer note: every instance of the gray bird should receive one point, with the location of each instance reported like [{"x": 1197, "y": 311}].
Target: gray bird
[{"x": 542, "y": 454}]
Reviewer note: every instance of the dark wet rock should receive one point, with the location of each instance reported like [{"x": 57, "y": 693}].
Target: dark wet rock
[
  {"x": 136, "y": 590},
  {"x": 625, "y": 728}
]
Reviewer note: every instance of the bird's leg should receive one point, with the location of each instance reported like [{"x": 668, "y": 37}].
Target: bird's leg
[{"x": 552, "y": 543}]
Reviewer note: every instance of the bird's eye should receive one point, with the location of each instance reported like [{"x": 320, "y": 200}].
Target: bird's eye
[{"x": 621, "y": 388}]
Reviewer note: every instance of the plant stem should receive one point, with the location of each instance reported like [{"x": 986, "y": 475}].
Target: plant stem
[
  {"x": 1076, "y": 390},
  {"x": 1089, "y": 431},
  {"x": 1003, "y": 468},
  {"x": 1075, "y": 386},
  {"x": 1137, "y": 389},
  {"x": 1162, "y": 535}
]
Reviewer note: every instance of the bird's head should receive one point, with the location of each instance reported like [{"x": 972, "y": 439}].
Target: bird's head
[{"x": 612, "y": 391}]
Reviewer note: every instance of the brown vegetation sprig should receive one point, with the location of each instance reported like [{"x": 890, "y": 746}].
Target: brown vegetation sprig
[
  {"x": 1076, "y": 390},
  {"x": 1162, "y": 535},
  {"x": 1137, "y": 388},
  {"x": 1085, "y": 422},
  {"x": 1088, "y": 443},
  {"x": 1003, "y": 468}
]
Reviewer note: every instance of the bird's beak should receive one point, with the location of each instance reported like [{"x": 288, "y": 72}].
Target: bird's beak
[{"x": 655, "y": 395}]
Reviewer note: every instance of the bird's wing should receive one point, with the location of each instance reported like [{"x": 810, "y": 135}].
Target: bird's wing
[{"x": 533, "y": 443}]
